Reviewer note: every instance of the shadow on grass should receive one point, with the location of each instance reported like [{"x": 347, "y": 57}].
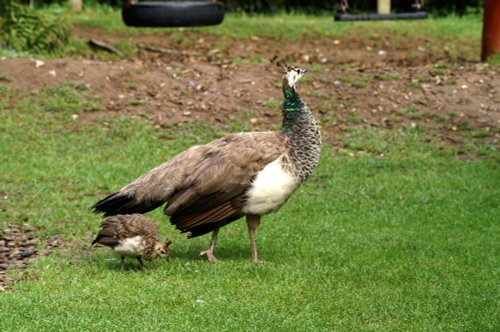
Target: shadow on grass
[{"x": 103, "y": 258}]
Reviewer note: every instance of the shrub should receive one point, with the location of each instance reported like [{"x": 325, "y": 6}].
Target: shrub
[{"x": 24, "y": 29}]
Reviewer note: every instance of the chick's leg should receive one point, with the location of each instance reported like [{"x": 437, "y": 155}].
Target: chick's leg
[
  {"x": 141, "y": 262},
  {"x": 122, "y": 263}
]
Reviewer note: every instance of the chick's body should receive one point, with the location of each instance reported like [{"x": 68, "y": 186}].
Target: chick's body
[{"x": 132, "y": 235}]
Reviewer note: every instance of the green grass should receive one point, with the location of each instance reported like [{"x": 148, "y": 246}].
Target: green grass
[
  {"x": 393, "y": 233},
  {"x": 69, "y": 97},
  {"x": 295, "y": 26},
  {"x": 494, "y": 59},
  {"x": 452, "y": 36},
  {"x": 388, "y": 77}
]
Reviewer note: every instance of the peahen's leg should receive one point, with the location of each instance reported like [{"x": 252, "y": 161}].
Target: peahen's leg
[
  {"x": 253, "y": 223},
  {"x": 210, "y": 251}
]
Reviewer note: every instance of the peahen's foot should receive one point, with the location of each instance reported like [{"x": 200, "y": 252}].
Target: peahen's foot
[
  {"x": 258, "y": 261},
  {"x": 209, "y": 254}
]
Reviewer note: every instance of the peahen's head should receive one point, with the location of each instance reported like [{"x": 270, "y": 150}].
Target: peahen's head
[{"x": 292, "y": 75}]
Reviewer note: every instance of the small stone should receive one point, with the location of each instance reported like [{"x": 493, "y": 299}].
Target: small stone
[
  {"x": 22, "y": 238},
  {"x": 29, "y": 228},
  {"x": 14, "y": 251},
  {"x": 32, "y": 242},
  {"x": 28, "y": 252},
  {"x": 17, "y": 265}
]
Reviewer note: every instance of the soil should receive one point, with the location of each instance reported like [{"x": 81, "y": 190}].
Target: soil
[{"x": 386, "y": 81}]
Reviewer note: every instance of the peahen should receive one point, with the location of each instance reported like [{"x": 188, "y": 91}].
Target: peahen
[{"x": 243, "y": 174}]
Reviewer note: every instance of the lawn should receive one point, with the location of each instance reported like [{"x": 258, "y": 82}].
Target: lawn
[
  {"x": 407, "y": 241},
  {"x": 403, "y": 240},
  {"x": 452, "y": 34},
  {"x": 293, "y": 26}
]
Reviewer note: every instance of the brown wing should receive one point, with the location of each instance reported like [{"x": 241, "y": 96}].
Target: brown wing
[
  {"x": 214, "y": 192},
  {"x": 155, "y": 187}
]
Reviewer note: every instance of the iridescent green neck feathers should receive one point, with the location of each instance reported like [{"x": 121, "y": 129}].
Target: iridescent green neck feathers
[
  {"x": 303, "y": 139},
  {"x": 292, "y": 101}
]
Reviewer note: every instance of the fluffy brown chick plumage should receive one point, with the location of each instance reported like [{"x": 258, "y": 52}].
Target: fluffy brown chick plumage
[{"x": 132, "y": 235}]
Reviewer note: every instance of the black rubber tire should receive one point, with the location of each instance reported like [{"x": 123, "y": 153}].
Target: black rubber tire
[
  {"x": 173, "y": 14},
  {"x": 380, "y": 17}
]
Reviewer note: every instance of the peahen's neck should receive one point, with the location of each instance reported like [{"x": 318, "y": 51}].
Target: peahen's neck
[
  {"x": 304, "y": 140},
  {"x": 294, "y": 110}
]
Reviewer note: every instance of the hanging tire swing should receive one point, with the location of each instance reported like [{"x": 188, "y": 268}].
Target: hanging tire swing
[{"x": 172, "y": 14}]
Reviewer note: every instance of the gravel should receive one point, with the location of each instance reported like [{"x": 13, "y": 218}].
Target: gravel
[{"x": 19, "y": 247}]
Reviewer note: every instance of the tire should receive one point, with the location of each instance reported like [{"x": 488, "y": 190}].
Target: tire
[{"x": 172, "y": 14}]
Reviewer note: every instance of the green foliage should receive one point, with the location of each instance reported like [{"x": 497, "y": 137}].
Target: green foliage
[
  {"x": 4, "y": 4},
  {"x": 25, "y": 29}
]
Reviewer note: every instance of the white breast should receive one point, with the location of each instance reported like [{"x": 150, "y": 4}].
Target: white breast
[
  {"x": 270, "y": 189},
  {"x": 132, "y": 246}
]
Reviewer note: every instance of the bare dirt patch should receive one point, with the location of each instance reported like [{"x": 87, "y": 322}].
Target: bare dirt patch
[{"x": 387, "y": 81}]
